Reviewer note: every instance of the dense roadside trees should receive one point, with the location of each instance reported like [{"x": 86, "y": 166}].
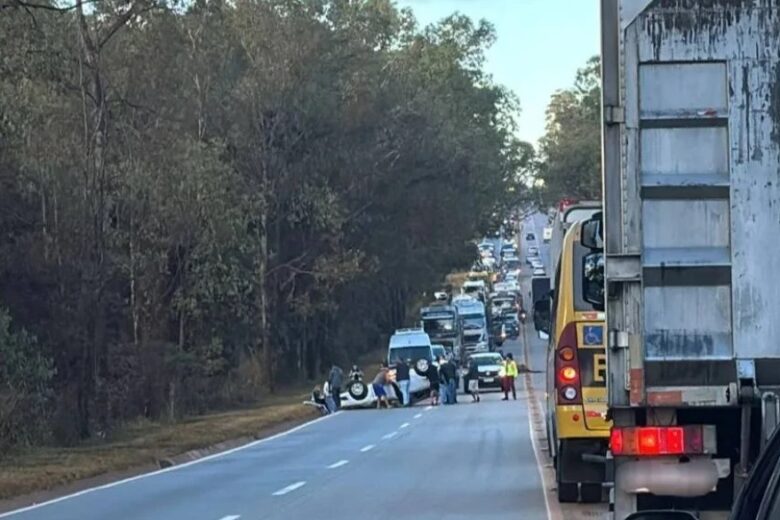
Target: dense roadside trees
[
  {"x": 202, "y": 200},
  {"x": 570, "y": 151}
]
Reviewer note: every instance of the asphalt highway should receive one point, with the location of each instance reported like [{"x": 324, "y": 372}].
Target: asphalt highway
[{"x": 461, "y": 461}]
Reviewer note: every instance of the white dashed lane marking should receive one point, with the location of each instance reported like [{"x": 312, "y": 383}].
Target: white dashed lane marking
[{"x": 288, "y": 489}]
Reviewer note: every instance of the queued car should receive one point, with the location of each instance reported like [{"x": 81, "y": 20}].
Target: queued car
[
  {"x": 539, "y": 271},
  {"x": 488, "y": 366},
  {"x": 510, "y": 325}
]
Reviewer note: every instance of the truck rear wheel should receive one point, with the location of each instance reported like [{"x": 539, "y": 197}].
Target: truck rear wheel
[
  {"x": 590, "y": 492},
  {"x": 567, "y": 492}
]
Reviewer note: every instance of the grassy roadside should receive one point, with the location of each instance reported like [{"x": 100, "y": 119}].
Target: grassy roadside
[{"x": 144, "y": 444}]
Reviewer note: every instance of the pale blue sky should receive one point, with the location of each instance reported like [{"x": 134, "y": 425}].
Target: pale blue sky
[{"x": 540, "y": 45}]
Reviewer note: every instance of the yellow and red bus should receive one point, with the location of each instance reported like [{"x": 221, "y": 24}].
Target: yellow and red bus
[{"x": 576, "y": 392}]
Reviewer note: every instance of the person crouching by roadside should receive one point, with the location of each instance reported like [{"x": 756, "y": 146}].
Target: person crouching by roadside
[
  {"x": 380, "y": 380},
  {"x": 433, "y": 377},
  {"x": 318, "y": 398}
]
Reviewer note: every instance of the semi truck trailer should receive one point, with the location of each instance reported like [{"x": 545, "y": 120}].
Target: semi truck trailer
[{"x": 683, "y": 258}]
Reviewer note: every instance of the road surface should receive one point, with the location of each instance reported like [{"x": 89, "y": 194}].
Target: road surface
[{"x": 462, "y": 461}]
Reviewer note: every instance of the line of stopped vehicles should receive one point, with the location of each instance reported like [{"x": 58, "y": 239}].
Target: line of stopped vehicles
[{"x": 473, "y": 324}]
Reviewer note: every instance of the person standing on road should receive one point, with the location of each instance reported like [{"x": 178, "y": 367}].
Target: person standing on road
[
  {"x": 379, "y": 386},
  {"x": 452, "y": 382},
  {"x": 433, "y": 377},
  {"x": 455, "y": 379},
  {"x": 403, "y": 377},
  {"x": 472, "y": 377},
  {"x": 336, "y": 380},
  {"x": 447, "y": 371},
  {"x": 510, "y": 374},
  {"x": 327, "y": 391}
]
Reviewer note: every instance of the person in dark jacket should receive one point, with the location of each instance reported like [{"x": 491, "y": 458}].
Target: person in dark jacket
[
  {"x": 402, "y": 376},
  {"x": 336, "y": 380},
  {"x": 473, "y": 380},
  {"x": 449, "y": 375},
  {"x": 433, "y": 376}
]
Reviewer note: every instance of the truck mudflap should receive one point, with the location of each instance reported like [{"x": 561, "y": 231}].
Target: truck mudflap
[
  {"x": 675, "y": 461},
  {"x": 668, "y": 476}
]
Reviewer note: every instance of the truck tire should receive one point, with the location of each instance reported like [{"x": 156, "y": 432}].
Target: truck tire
[
  {"x": 567, "y": 492},
  {"x": 590, "y": 492},
  {"x": 421, "y": 367},
  {"x": 357, "y": 390}
]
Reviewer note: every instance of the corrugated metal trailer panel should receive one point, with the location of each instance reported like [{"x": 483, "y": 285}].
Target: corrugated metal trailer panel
[{"x": 701, "y": 145}]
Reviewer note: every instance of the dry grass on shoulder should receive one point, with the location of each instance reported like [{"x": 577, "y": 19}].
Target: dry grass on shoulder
[{"x": 142, "y": 445}]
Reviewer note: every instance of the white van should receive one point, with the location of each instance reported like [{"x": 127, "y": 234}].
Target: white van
[{"x": 413, "y": 345}]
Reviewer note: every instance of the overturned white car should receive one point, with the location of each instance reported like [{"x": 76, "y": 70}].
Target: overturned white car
[
  {"x": 413, "y": 346},
  {"x": 360, "y": 394}
]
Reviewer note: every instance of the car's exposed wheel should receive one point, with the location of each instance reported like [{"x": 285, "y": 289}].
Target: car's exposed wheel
[
  {"x": 421, "y": 367},
  {"x": 357, "y": 390}
]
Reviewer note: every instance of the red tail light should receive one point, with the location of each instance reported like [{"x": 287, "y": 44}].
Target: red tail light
[
  {"x": 616, "y": 441},
  {"x": 567, "y": 367},
  {"x": 666, "y": 440},
  {"x": 649, "y": 441},
  {"x": 568, "y": 374}
]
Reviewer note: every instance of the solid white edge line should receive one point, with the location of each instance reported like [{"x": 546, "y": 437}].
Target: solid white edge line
[
  {"x": 527, "y": 387},
  {"x": 288, "y": 489},
  {"x": 167, "y": 470},
  {"x": 342, "y": 462},
  {"x": 539, "y": 467},
  {"x": 417, "y": 416},
  {"x": 367, "y": 448},
  {"x": 405, "y": 425}
]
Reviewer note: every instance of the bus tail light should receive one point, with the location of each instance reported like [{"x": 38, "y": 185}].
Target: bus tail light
[
  {"x": 648, "y": 441},
  {"x": 567, "y": 367}
]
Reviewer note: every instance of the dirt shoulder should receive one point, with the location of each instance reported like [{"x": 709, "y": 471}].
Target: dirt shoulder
[{"x": 43, "y": 473}]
